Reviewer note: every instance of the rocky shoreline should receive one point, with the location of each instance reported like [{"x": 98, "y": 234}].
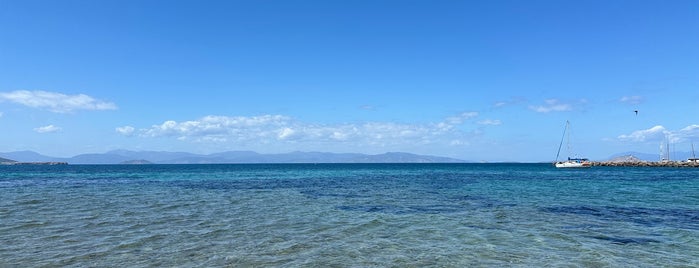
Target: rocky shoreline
[
  {"x": 33, "y": 163},
  {"x": 645, "y": 164}
]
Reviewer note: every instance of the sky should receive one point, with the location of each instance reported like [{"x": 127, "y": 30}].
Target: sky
[{"x": 474, "y": 80}]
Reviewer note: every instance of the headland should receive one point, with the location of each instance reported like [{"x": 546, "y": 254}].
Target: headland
[{"x": 10, "y": 162}]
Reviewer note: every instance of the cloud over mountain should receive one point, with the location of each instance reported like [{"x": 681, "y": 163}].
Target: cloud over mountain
[
  {"x": 55, "y": 102},
  {"x": 125, "y": 130},
  {"x": 269, "y": 129},
  {"x": 659, "y": 133},
  {"x": 688, "y": 133}
]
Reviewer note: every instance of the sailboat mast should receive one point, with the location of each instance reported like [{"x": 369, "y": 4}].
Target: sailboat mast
[
  {"x": 662, "y": 154},
  {"x": 568, "y": 139},
  {"x": 562, "y": 137},
  {"x": 667, "y": 148}
]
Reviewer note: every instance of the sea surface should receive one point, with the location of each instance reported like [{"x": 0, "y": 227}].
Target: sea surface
[{"x": 348, "y": 215}]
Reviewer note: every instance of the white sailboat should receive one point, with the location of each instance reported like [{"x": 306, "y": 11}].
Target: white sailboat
[
  {"x": 575, "y": 162},
  {"x": 694, "y": 158}
]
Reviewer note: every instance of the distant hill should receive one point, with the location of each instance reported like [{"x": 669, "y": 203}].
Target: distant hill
[
  {"x": 98, "y": 159},
  {"x": 29, "y": 156},
  {"x": 243, "y": 157},
  {"x": 152, "y": 156},
  {"x": 625, "y": 159},
  {"x": 5, "y": 160},
  {"x": 139, "y": 157}
]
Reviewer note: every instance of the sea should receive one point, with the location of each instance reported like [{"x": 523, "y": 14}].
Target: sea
[{"x": 348, "y": 215}]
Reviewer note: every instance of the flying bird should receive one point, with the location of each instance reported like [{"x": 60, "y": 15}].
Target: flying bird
[{"x": 636, "y": 111}]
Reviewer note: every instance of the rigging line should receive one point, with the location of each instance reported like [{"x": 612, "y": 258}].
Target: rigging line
[{"x": 561, "y": 144}]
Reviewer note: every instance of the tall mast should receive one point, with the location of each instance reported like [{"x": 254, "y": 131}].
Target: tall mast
[
  {"x": 667, "y": 148},
  {"x": 568, "y": 138},
  {"x": 562, "y": 137}
]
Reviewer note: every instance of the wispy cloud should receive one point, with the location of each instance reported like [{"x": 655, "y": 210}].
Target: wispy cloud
[
  {"x": 653, "y": 133},
  {"x": 367, "y": 107},
  {"x": 688, "y": 133},
  {"x": 271, "y": 129},
  {"x": 659, "y": 133},
  {"x": 460, "y": 118},
  {"x": 47, "y": 129},
  {"x": 221, "y": 128},
  {"x": 631, "y": 99},
  {"x": 56, "y": 102},
  {"x": 551, "y": 105},
  {"x": 510, "y": 102},
  {"x": 500, "y": 104},
  {"x": 125, "y": 130},
  {"x": 490, "y": 122}
]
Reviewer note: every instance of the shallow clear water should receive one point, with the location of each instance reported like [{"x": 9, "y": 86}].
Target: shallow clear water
[{"x": 348, "y": 215}]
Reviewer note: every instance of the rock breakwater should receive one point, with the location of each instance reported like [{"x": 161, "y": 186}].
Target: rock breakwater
[{"x": 645, "y": 164}]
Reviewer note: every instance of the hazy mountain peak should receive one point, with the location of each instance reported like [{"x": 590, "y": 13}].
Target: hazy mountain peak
[{"x": 127, "y": 156}]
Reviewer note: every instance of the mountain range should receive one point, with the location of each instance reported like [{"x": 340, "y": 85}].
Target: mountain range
[
  {"x": 5, "y": 160},
  {"x": 233, "y": 157},
  {"x": 157, "y": 157}
]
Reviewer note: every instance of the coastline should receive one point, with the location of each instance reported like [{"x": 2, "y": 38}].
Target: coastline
[
  {"x": 645, "y": 164},
  {"x": 33, "y": 163}
]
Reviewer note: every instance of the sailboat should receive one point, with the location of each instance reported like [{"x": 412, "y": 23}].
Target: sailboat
[
  {"x": 575, "y": 162},
  {"x": 694, "y": 158}
]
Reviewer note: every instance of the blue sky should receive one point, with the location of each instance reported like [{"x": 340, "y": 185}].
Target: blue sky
[{"x": 475, "y": 80}]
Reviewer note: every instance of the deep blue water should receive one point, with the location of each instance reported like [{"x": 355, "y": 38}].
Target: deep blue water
[{"x": 348, "y": 215}]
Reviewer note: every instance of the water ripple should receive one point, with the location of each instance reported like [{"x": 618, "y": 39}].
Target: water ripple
[{"x": 470, "y": 215}]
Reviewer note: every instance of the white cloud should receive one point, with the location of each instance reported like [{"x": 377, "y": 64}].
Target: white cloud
[
  {"x": 688, "y": 133},
  {"x": 449, "y": 123},
  {"x": 490, "y": 122},
  {"x": 660, "y": 133},
  {"x": 631, "y": 99},
  {"x": 56, "y": 102},
  {"x": 656, "y": 133},
  {"x": 367, "y": 107},
  {"x": 551, "y": 105},
  {"x": 511, "y": 101},
  {"x": 47, "y": 129},
  {"x": 221, "y": 128},
  {"x": 125, "y": 130},
  {"x": 468, "y": 115},
  {"x": 278, "y": 129},
  {"x": 460, "y": 118},
  {"x": 286, "y": 133}
]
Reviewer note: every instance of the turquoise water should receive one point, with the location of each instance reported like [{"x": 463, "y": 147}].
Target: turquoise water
[{"x": 348, "y": 215}]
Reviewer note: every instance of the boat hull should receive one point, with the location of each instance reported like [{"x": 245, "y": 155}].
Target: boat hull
[{"x": 573, "y": 164}]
